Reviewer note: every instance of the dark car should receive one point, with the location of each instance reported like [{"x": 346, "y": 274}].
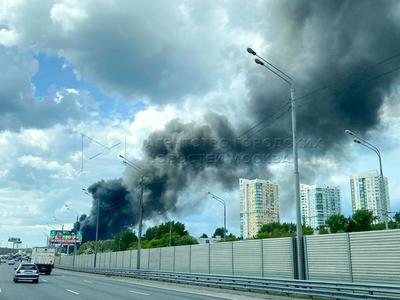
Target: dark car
[{"x": 26, "y": 271}]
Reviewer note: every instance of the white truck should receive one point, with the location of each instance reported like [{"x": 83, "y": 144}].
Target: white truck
[{"x": 43, "y": 258}]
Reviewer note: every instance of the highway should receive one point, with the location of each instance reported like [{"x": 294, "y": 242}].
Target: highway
[{"x": 63, "y": 285}]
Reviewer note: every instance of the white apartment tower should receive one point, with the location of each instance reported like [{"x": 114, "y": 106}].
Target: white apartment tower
[
  {"x": 259, "y": 205},
  {"x": 318, "y": 203},
  {"x": 369, "y": 192}
]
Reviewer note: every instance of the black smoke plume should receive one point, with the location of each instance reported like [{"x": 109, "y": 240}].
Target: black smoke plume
[{"x": 340, "y": 46}]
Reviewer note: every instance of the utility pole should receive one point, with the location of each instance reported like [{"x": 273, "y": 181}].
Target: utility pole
[
  {"x": 170, "y": 233},
  {"x": 382, "y": 186},
  {"x": 299, "y": 230},
  {"x": 140, "y": 224},
  {"x": 97, "y": 233},
  {"x": 76, "y": 236},
  {"x": 222, "y": 201}
]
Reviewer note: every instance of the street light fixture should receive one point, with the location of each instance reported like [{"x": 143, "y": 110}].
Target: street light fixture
[
  {"x": 359, "y": 140},
  {"x": 299, "y": 233},
  {"x": 222, "y": 201},
  {"x": 138, "y": 169}
]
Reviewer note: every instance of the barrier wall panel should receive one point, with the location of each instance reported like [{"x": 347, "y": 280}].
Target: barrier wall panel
[
  {"x": 144, "y": 259},
  {"x": 278, "y": 260},
  {"x": 167, "y": 259},
  {"x": 247, "y": 256},
  {"x": 113, "y": 262},
  {"x": 182, "y": 259},
  {"x": 200, "y": 259},
  {"x": 133, "y": 264},
  {"x": 155, "y": 259},
  {"x": 120, "y": 259},
  {"x": 126, "y": 259},
  {"x": 328, "y": 257},
  {"x": 221, "y": 260},
  {"x": 376, "y": 256}
]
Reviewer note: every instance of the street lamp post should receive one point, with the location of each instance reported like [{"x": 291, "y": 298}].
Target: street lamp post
[
  {"x": 299, "y": 233},
  {"x": 222, "y": 201},
  {"x": 76, "y": 233},
  {"x": 134, "y": 166},
  {"x": 365, "y": 143}
]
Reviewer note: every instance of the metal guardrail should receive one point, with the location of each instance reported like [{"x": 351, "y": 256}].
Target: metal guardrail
[{"x": 324, "y": 289}]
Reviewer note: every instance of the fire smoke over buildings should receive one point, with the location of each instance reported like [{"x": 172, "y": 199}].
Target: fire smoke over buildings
[{"x": 348, "y": 48}]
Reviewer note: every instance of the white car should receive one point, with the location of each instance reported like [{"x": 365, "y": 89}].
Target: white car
[
  {"x": 11, "y": 262},
  {"x": 26, "y": 271}
]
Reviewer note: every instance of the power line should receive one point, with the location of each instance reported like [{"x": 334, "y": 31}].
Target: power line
[
  {"x": 374, "y": 77},
  {"x": 335, "y": 83},
  {"x": 271, "y": 122},
  {"x": 279, "y": 110}
]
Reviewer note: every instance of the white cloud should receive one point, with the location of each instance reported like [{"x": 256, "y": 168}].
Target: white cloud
[{"x": 64, "y": 171}]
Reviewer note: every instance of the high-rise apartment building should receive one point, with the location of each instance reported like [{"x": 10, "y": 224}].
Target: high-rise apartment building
[
  {"x": 259, "y": 205},
  {"x": 369, "y": 192},
  {"x": 318, "y": 203}
]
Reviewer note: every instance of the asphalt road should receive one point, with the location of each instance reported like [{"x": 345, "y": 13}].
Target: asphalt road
[{"x": 63, "y": 285}]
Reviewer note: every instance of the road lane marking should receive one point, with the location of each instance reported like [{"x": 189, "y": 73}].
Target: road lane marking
[
  {"x": 44, "y": 280},
  {"x": 71, "y": 291},
  {"x": 140, "y": 293},
  {"x": 0, "y": 290},
  {"x": 88, "y": 281}
]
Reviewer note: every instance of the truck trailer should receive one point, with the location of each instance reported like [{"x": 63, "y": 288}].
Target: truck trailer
[{"x": 43, "y": 258}]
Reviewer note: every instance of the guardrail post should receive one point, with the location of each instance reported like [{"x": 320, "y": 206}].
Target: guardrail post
[{"x": 349, "y": 257}]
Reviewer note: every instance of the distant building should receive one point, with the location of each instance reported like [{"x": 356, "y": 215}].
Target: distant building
[
  {"x": 318, "y": 203},
  {"x": 259, "y": 205},
  {"x": 367, "y": 193}
]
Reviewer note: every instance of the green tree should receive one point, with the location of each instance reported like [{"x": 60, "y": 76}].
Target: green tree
[
  {"x": 307, "y": 230},
  {"x": 231, "y": 238},
  {"x": 204, "y": 236},
  {"x": 396, "y": 217},
  {"x": 337, "y": 223},
  {"x": 275, "y": 230},
  {"x": 219, "y": 232},
  {"x": 124, "y": 239},
  {"x": 323, "y": 230},
  {"x": 361, "y": 221},
  {"x": 157, "y": 232}
]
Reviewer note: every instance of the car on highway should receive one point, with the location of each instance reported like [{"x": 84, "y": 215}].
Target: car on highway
[
  {"x": 26, "y": 271},
  {"x": 11, "y": 262}
]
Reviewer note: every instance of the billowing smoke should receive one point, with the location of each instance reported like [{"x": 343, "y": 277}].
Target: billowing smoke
[
  {"x": 115, "y": 211},
  {"x": 319, "y": 44}
]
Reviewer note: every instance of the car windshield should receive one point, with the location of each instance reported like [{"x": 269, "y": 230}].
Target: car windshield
[{"x": 27, "y": 267}]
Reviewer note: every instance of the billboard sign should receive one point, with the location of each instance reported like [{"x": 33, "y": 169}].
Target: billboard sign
[
  {"x": 14, "y": 240},
  {"x": 65, "y": 237}
]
